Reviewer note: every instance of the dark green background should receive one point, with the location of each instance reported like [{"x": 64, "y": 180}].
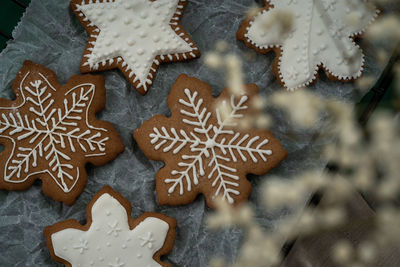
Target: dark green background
[{"x": 10, "y": 14}]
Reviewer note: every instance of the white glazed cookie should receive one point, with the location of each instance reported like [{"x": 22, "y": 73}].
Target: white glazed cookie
[
  {"x": 50, "y": 132},
  {"x": 203, "y": 146},
  {"x": 320, "y": 34},
  {"x": 134, "y": 36},
  {"x": 111, "y": 237}
]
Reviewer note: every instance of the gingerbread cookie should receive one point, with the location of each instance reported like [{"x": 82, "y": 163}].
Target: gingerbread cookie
[
  {"x": 111, "y": 237},
  {"x": 50, "y": 132},
  {"x": 204, "y": 150},
  {"x": 134, "y": 36},
  {"x": 307, "y": 35}
]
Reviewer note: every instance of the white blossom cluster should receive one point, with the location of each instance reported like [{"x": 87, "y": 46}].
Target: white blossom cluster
[{"x": 366, "y": 160}]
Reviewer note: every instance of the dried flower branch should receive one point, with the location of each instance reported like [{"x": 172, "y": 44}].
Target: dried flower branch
[{"x": 364, "y": 160}]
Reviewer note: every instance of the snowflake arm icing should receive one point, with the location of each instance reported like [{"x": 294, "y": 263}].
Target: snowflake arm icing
[
  {"x": 320, "y": 36},
  {"x": 204, "y": 149},
  {"x": 50, "y": 138},
  {"x": 111, "y": 237}
]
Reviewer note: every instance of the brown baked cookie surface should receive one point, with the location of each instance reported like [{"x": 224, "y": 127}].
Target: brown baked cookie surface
[
  {"x": 50, "y": 132},
  {"x": 111, "y": 237},
  {"x": 309, "y": 35},
  {"x": 134, "y": 36},
  {"x": 204, "y": 147}
]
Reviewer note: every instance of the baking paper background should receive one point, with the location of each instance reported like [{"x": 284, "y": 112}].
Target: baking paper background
[{"x": 50, "y": 34}]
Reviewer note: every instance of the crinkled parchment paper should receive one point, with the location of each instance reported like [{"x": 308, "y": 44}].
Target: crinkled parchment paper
[{"x": 50, "y": 34}]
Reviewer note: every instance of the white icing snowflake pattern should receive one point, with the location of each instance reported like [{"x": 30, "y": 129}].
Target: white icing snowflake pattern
[
  {"x": 198, "y": 116},
  {"x": 147, "y": 240},
  {"x": 137, "y": 34},
  {"x": 101, "y": 249},
  {"x": 209, "y": 144},
  {"x": 47, "y": 135},
  {"x": 82, "y": 246},
  {"x": 315, "y": 23},
  {"x": 114, "y": 229}
]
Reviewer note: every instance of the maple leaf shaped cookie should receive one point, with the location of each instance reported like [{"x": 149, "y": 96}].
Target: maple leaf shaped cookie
[
  {"x": 111, "y": 238},
  {"x": 50, "y": 132},
  {"x": 134, "y": 36},
  {"x": 321, "y": 35},
  {"x": 204, "y": 150}
]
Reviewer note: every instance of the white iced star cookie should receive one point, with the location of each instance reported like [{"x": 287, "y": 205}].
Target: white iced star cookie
[
  {"x": 312, "y": 34},
  {"x": 134, "y": 36},
  {"x": 111, "y": 238}
]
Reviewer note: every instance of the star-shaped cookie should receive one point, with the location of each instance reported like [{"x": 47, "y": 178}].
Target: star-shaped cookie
[
  {"x": 111, "y": 237},
  {"x": 134, "y": 36},
  {"x": 50, "y": 132},
  {"x": 203, "y": 146}
]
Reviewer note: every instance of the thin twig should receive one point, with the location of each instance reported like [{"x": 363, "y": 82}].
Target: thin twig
[
  {"x": 5, "y": 35},
  {"x": 18, "y": 2}
]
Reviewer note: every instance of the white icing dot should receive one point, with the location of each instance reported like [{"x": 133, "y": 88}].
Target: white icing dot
[
  {"x": 127, "y": 21},
  {"x": 111, "y": 17},
  {"x": 143, "y": 14},
  {"x": 140, "y": 51},
  {"x": 142, "y": 34},
  {"x": 131, "y": 42}
]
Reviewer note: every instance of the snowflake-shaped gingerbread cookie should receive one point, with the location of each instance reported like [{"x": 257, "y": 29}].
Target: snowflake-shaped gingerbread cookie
[
  {"x": 111, "y": 238},
  {"x": 203, "y": 146},
  {"x": 134, "y": 36},
  {"x": 50, "y": 132},
  {"x": 308, "y": 35}
]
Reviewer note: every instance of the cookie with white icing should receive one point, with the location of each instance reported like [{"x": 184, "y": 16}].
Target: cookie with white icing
[
  {"x": 134, "y": 36},
  {"x": 111, "y": 237},
  {"x": 50, "y": 132},
  {"x": 203, "y": 146},
  {"x": 312, "y": 34}
]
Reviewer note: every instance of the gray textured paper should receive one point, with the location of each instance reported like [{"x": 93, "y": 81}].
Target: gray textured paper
[{"x": 50, "y": 34}]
